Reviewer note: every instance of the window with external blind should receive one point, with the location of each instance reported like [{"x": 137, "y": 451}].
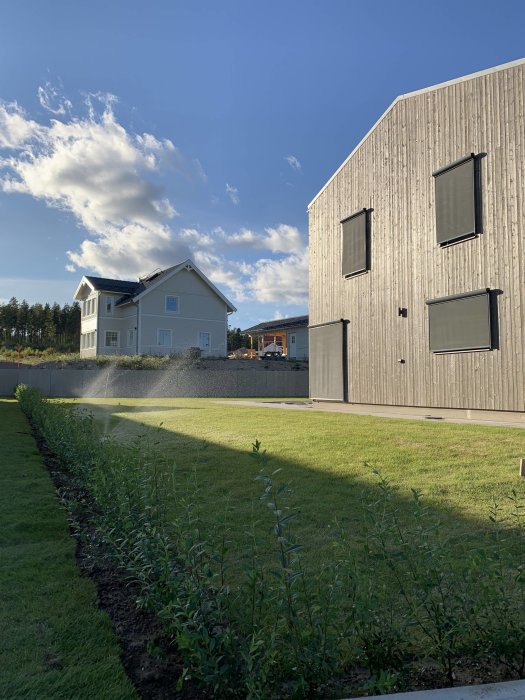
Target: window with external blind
[
  {"x": 457, "y": 195},
  {"x": 461, "y": 322},
  {"x": 355, "y": 244}
]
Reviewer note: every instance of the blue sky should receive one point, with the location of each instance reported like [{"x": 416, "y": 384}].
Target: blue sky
[{"x": 134, "y": 134}]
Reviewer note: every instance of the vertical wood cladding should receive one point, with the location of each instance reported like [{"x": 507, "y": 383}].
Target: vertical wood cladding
[{"x": 391, "y": 174}]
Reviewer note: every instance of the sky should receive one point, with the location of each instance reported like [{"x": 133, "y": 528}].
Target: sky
[{"x": 135, "y": 135}]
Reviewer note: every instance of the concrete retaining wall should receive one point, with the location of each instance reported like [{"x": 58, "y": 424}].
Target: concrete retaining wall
[{"x": 125, "y": 383}]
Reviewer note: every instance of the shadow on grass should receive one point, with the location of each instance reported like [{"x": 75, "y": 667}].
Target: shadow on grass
[{"x": 223, "y": 480}]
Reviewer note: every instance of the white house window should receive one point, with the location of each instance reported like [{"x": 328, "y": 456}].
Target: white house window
[
  {"x": 164, "y": 338},
  {"x": 109, "y": 305},
  {"x": 112, "y": 339},
  {"x": 172, "y": 304},
  {"x": 88, "y": 307},
  {"x": 131, "y": 337},
  {"x": 204, "y": 340}
]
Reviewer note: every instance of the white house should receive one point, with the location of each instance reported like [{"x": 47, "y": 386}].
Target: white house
[{"x": 166, "y": 312}]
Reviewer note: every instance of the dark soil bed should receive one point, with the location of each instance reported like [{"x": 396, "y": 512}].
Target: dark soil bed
[{"x": 150, "y": 659}]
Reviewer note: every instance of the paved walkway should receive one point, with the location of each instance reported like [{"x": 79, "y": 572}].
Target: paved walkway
[
  {"x": 446, "y": 415},
  {"x": 513, "y": 690}
]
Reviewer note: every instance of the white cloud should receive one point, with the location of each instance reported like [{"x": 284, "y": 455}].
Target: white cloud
[
  {"x": 284, "y": 280},
  {"x": 51, "y": 100},
  {"x": 102, "y": 174},
  {"x": 294, "y": 163},
  {"x": 107, "y": 178},
  {"x": 130, "y": 251},
  {"x": 283, "y": 239},
  {"x": 15, "y": 128},
  {"x": 233, "y": 193},
  {"x": 196, "y": 239}
]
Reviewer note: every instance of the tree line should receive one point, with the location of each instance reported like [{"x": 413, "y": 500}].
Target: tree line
[{"x": 40, "y": 325}]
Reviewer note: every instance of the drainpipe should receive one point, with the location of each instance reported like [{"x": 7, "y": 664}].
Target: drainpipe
[{"x": 137, "y": 331}]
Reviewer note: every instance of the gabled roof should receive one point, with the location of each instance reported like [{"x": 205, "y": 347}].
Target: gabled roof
[
  {"x": 102, "y": 284},
  {"x": 163, "y": 275},
  {"x": 462, "y": 79},
  {"x": 278, "y": 324},
  {"x": 133, "y": 291}
]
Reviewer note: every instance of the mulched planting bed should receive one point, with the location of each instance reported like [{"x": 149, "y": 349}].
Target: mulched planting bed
[{"x": 150, "y": 659}]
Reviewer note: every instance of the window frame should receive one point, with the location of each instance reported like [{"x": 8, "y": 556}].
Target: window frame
[
  {"x": 366, "y": 268},
  {"x": 164, "y": 330},
  {"x": 476, "y": 203},
  {"x": 490, "y": 345},
  {"x": 131, "y": 340},
  {"x": 109, "y": 301},
  {"x": 110, "y": 345},
  {"x": 171, "y": 296}
]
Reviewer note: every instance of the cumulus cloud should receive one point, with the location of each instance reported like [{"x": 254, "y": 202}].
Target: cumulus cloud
[
  {"x": 16, "y": 129},
  {"x": 294, "y": 163},
  {"x": 282, "y": 279},
  {"x": 283, "y": 239},
  {"x": 95, "y": 169},
  {"x": 110, "y": 180},
  {"x": 233, "y": 193}
]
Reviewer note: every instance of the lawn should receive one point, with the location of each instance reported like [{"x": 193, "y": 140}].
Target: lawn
[
  {"x": 328, "y": 459},
  {"x": 347, "y": 578},
  {"x": 55, "y": 642}
]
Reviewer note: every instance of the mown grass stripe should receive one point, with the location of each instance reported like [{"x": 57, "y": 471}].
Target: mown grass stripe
[{"x": 55, "y": 641}]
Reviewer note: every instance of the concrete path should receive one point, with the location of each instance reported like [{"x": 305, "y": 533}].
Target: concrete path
[
  {"x": 446, "y": 415},
  {"x": 512, "y": 690}
]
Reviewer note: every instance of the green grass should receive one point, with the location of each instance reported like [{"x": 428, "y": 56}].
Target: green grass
[
  {"x": 55, "y": 643},
  {"x": 328, "y": 459}
]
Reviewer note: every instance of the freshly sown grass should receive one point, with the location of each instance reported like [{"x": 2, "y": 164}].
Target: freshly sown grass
[
  {"x": 55, "y": 643},
  {"x": 328, "y": 459}
]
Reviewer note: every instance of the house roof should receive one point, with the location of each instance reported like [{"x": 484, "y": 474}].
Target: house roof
[
  {"x": 471, "y": 76},
  {"x": 102, "y": 284},
  {"x": 133, "y": 291},
  {"x": 278, "y": 324}
]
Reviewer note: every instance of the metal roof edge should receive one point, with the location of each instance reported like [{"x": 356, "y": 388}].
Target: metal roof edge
[{"x": 438, "y": 86}]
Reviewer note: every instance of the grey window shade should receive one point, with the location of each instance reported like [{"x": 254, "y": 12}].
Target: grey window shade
[
  {"x": 326, "y": 362},
  {"x": 355, "y": 252},
  {"x": 455, "y": 201},
  {"x": 460, "y": 323}
]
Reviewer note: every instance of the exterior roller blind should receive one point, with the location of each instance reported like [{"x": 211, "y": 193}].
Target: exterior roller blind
[
  {"x": 355, "y": 244},
  {"x": 455, "y": 202},
  {"x": 326, "y": 362},
  {"x": 460, "y": 323}
]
